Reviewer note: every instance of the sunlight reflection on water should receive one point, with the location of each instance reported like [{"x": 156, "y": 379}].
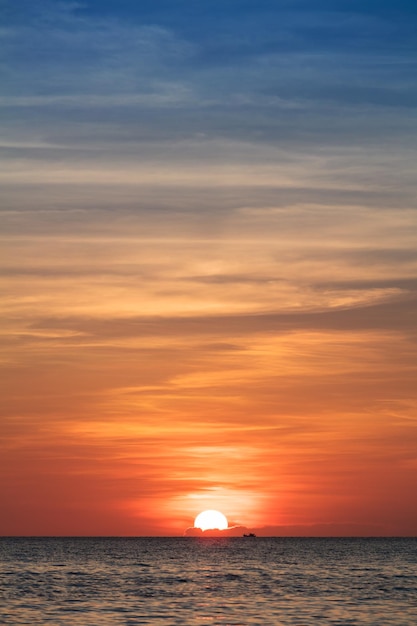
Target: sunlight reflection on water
[{"x": 282, "y": 582}]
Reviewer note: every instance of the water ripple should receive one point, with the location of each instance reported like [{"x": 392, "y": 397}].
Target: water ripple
[{"x": 189, "y": 581}]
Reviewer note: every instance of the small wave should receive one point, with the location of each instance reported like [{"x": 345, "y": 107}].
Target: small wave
[{"x": 230, "y": 576}]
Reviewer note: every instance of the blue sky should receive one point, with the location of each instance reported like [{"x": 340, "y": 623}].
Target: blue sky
[
  {"x": 206, "y": 111},
  {"x": 278, "y": 119},
  {"x": 262, "y": 81}
]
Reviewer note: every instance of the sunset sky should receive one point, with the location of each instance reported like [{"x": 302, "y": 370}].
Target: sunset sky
[{"x": 209, "y": 266}]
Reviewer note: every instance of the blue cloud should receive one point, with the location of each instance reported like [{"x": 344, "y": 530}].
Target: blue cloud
[{"x": 235, "y": 82}]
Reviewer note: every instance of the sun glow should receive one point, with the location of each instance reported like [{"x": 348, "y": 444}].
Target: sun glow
[{"x": 211, "y": 520}]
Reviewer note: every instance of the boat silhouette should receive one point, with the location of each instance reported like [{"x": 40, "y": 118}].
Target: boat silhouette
[{"x": 249, "y": 535}]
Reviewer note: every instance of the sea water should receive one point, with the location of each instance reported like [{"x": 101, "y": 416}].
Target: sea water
[{"x": 236, "y": 581}]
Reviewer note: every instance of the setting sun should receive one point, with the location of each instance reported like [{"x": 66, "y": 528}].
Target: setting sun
[{"x": 211, "y": 520}]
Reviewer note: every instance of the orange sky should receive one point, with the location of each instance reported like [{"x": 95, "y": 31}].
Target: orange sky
[
  {"x": 146, "y": 379},
  {"x": 208, "y": 270}
]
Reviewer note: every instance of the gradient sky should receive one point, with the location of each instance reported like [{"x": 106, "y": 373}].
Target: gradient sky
[{"x": 209, "y": 266}]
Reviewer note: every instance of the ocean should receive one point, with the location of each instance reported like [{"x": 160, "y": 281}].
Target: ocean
[{"x": 228, "y": 581}]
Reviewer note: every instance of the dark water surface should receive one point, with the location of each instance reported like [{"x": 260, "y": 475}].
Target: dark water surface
[{"x": 279, "y": 581}]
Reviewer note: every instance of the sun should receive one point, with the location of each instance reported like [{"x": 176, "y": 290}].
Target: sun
[{"x": 211, "y": 520}]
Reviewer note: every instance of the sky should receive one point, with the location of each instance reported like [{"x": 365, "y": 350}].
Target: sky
[{"x": 208, "y": 266}]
